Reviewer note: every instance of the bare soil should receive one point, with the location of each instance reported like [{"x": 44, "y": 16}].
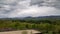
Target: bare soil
[{"x": 18, "y": 32}]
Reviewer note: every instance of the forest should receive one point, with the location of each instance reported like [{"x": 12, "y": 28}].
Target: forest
[{"x": 50, "y": 26}]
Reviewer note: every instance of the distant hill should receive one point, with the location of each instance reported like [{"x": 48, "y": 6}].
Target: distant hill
[
  {"x": 29, "y": 17},
  {"x": 43, "y": 17}
]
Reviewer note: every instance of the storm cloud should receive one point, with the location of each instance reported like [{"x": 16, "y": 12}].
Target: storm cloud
[{"x": 24, "y": 8}]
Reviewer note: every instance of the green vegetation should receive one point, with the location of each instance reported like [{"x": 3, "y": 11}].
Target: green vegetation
[
  {"x": 24, "y": 32},
  {"x": 47, "y": 26}
]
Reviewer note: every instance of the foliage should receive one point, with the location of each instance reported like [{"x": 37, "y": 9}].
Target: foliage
[{"x": 42, "y": 25}]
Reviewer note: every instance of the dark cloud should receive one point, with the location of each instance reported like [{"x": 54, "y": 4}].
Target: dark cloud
[
  {"x": 34, "y": 8},
  {"x": 49, "y": 3}
]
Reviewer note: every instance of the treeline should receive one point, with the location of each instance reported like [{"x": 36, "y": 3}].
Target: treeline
[{"x": 42, "y": 25}]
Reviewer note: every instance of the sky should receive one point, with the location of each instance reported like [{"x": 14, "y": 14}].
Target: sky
[{"x": 33, "y": 8}]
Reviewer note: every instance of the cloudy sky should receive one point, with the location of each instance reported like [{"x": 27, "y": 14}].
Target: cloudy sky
[{"x": 24, "y": 8}]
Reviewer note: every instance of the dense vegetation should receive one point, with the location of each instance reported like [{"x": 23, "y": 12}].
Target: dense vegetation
[{"x": 45, "y": 25}]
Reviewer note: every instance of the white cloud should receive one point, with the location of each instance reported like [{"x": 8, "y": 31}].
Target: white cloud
[
  {"x": 35, "y": 11},
  {"x": 23, "y": 9}
]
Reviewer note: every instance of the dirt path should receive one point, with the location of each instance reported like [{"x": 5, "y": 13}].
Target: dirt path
[
  {"x": 18, "y": 32},
  {"x": 11, "y": 32}
]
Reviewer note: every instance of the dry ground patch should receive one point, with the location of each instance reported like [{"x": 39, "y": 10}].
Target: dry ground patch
[{"x": 19, "y": 32}]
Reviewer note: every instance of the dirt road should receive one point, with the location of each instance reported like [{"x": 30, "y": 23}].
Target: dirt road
[{"x": 19, "y": 32}]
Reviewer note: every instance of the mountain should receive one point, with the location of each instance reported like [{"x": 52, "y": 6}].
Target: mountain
[
  {"x": 43, "y": 17},
  {"x": 29, "y": 17}
]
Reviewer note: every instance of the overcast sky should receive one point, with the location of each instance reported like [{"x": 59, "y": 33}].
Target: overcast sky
[{"x": 34, "y": 8}]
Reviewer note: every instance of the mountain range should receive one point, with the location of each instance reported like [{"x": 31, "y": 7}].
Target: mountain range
[{"x": 29, "y": 17}]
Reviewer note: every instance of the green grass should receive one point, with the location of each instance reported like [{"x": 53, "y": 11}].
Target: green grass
[{"x": 24, "y": 32}]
